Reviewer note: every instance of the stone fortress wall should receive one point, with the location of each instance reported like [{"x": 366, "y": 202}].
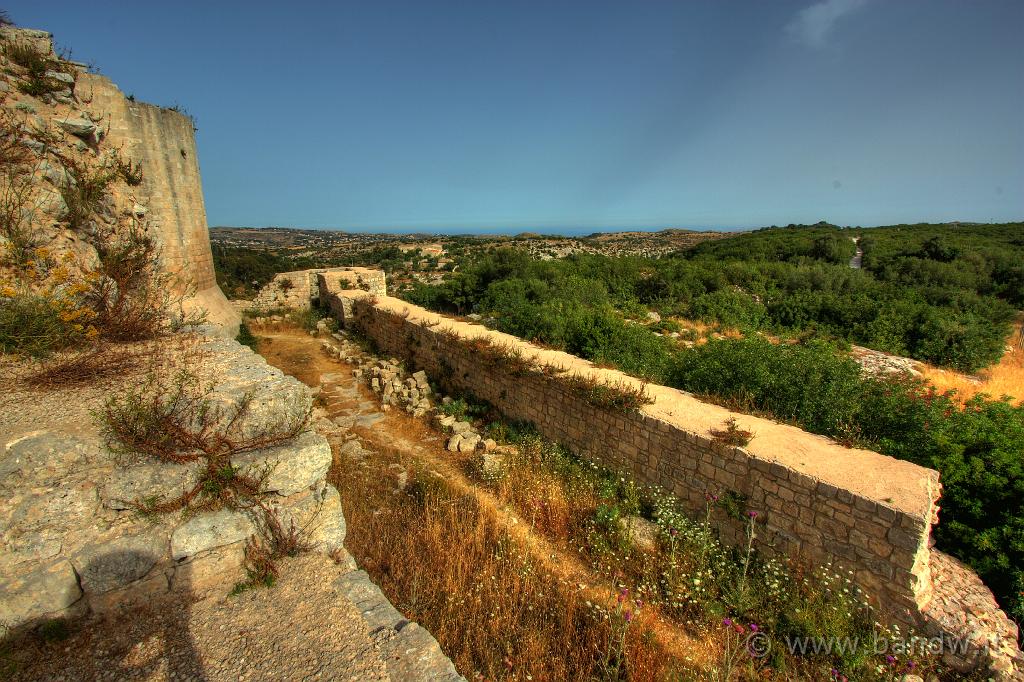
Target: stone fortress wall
[
  {"x": 171, "y": 194},
  {"x": 815, "y": 501},
  {"x": 170, "y": 198}
]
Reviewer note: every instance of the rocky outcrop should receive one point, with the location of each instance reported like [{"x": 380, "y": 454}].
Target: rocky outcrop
[
  {"x": 85, "y": 116},
  {"x": 73, "y": 537}
]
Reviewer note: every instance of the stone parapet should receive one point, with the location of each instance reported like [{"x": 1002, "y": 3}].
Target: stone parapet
[{"x": 815, "y": 501}]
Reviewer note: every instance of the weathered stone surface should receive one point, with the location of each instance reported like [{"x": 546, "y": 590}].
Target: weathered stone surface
[
  {"x": 293, "y": 467},
  {"x": 642, "y": 533},
  {"x": 79, "y": 127},
  {"x": 319, "y": 515},
  {"x": 44, "y": 453},
  {"x": 143, "y": 483},
  {"x": 461, "y": 427},
  {"x": 45, "y": 591},
  {"x": 469, "y": 442},
  {"x": 454, "y": 442},
  {"x": 492, "y": 465},
  {"x": 209, "y": 530},
  {"x": 61, "y": 76},
  {"x": 117, "y": 563},
  {"x": 413, "y": 654}
]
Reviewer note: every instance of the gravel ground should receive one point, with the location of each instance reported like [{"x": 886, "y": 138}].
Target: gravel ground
[{"x": 301, "y": 629}]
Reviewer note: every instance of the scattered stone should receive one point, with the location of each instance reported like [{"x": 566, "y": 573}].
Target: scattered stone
[
  {"x": 80, "y": 127},
  {"x": 492, "y": 465},
  {"x": 454, "y": 443},
  {"x": 61, "y": 76},
  {"x": 461, "y": 427},
  {"x": 469, "y": 442}
]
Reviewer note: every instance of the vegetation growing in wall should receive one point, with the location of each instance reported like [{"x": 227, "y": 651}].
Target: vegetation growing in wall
[{"x": 37, "y": 66}]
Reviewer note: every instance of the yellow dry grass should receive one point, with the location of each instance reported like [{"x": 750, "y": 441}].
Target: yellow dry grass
[{"x": 1004, "y": 378}]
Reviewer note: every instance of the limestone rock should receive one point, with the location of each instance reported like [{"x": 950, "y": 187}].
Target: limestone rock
[
  {"x": 454, "y": 442},
  {"x": 61, "y": 77},
  {"x": 79, "y": 127},
  {"x": 641, "y": 532},
  {"x": 320, "y": 517},
  {"x": 461, "y": 427},
  {"x": 46, "y": 453},
  {"x": 46, "y": 590},
  {"x": 117, "y": 563},
  {"x": 142, "y": 483},
  {"x": 293, "y": 466},
  {"x": 210, "y": 530},
  {"x": 468, "y": 442}
]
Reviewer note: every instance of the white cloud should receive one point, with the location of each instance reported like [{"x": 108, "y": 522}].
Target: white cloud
[{"x": 811, "y": 25}]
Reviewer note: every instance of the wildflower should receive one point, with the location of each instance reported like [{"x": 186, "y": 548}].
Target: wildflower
[
  {"x": 753, "y": 627},
  {"x": 727, "y": 622},
  {"x": 752, "y": 514},
  {"x": 629, "y": 616}
]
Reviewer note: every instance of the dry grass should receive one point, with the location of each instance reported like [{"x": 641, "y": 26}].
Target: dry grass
[
  {"x": 1004, "y": 378},
  {"x": 93, "y": 364},
  {"x": 497, "y": 611}
]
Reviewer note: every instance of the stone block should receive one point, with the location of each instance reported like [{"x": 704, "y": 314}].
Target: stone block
[
  {"x": 292, "y": 467},
  {"x": 119, "y": 562},
  {"x": 210, "y": 530}
]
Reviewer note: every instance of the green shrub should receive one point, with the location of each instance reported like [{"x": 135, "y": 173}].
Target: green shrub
[
  {"x": 246, "y": 337},
  {"x": 36, "y": 63},
  {"x": 809, "y": 383},
  {"x": 36, "y": 325}
]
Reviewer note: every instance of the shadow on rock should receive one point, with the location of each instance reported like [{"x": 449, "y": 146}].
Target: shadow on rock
[{"x": 131, "y": 627}]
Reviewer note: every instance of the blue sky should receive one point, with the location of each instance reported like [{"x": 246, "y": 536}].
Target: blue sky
[{"x": 578, "y": 116}]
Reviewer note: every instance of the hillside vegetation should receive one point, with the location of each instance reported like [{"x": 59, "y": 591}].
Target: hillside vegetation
[{"x": 939, "y": 293}]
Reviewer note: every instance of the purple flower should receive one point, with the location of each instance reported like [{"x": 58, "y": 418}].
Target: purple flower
[
  {"x": 629, "y": 616},
  {"x": 727, "y": 621},
  {"x": 752, "y": 514},
  {"x": 753, "y": 627},
  {"x": 890, "y": 659}
]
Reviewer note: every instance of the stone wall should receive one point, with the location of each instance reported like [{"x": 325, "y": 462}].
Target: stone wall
[
  {"x": 815, "y": 501},
  {"x": 171, "y": 194},
  {"x": 299, "y": 289}
]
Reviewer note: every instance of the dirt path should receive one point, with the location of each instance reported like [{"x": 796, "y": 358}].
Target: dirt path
[{"x": 395, "y": 437}]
